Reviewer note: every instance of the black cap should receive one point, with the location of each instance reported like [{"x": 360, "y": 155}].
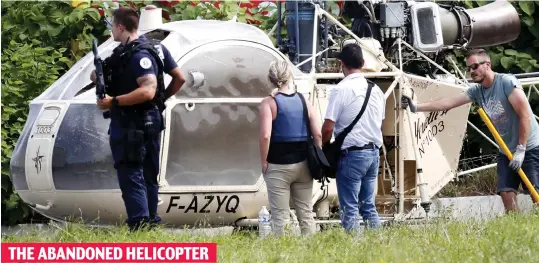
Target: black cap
[{"x": 351, "y": 55}]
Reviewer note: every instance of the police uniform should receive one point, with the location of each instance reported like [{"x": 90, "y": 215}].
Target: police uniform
[{"x": 135, "y": 130}]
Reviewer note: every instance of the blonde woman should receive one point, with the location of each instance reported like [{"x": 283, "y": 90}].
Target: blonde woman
[{"x": 283, "y": 150}]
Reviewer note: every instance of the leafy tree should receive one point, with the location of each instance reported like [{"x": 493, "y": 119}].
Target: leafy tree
[{"x": 40, "y": 41}]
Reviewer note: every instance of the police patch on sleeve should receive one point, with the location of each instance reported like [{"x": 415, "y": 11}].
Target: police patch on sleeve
[{"x": 145, "y": 63}]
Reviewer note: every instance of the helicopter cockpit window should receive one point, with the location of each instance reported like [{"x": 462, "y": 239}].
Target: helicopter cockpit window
[{"x": 82, "y": 159}]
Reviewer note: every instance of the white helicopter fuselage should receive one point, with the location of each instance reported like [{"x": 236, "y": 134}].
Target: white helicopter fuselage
[{"x": 210, "y": 170}]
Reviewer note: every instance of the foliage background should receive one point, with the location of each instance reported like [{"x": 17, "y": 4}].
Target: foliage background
[{"x": 42, "y": 40}]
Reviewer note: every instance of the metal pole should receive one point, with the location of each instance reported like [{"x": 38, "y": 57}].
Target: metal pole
[
  {"x": 384, "y": 150},
  {"x": 400, "y": 53},
  {"x": 396, "y": 139},
  {"x": 477, "y": 169},
  {"x": 364, "y": 74},
  {"x": 392, "y": 87},
  {"x": 311, "y": 58},
  {"x": 535, "y": 88},
  {"x": 401, "y": 156},
  {"x": 326, "y": 33},
  {"x": 298, "y": 52},
  {"x": 529, "y": 81},
  {"x": 279, "y": 6},
  {"x": 431, "y": 61},
  {"x": 458, "y": 70},
  {"x": 484, "y": 135},
  {"x": 315, "y": 38}
]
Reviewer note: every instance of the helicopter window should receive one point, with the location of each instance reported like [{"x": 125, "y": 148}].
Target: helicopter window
[
  {"x": 231, "y": 69},
  {"x": 215, "y": 144},
  {"x": 82, "y": 159},
  {"x": 208, "y": 145}
]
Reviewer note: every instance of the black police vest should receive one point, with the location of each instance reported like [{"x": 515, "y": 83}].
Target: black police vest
[{"x": 117, "y": 65}]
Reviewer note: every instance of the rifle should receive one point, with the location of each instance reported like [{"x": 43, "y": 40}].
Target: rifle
[{"x": 100, "y": 85}]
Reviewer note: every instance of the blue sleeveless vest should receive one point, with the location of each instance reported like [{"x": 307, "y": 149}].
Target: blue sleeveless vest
[{"x": 289, "y": 124}]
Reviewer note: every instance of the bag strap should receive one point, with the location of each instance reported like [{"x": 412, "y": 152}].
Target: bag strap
[
  {"x": 306, "y": 116},
  {"x": 348, "y": 129},
  {"x": 310, "y": 139}
]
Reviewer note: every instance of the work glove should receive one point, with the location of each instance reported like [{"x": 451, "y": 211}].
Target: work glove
[
  {"x": 407, "y": 101},
  {"x": 518, "y": 157}
]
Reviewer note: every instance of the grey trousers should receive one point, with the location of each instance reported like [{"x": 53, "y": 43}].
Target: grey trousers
[{"x": 290, "y": 183}]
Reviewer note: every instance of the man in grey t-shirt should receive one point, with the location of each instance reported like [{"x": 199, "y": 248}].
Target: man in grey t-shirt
[{"x": 504, "y": 101}]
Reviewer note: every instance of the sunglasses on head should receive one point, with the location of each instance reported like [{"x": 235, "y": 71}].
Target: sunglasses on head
[{"x": 474, "y": 66}]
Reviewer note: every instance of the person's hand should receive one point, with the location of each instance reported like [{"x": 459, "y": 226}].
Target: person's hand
[
  {"x": 93, "y": 76},
  {"x": 264, "y": 167},
  {"x": 518, "y": 157},
  {"x": 105, "y": 103},
  {"x": 407, "y": 101}
]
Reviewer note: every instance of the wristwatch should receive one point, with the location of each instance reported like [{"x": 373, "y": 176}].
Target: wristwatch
[{"x": 114, "y": 102}]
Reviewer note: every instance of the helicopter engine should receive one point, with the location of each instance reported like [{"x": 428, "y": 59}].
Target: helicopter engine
[{"x": 428, "y": 27}]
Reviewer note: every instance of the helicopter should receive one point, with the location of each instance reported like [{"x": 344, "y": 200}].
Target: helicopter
[{"x": 210, "y": 173}]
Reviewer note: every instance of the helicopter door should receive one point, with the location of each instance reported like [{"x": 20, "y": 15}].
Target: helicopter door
[{"x": 38, "y": 161}]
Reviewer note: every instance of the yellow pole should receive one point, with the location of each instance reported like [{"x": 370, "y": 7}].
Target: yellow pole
[{"x": 492, "y": 129}]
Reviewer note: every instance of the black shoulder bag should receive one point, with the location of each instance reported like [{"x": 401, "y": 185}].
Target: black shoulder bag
[
  {"x": 315, "y": 155},
  {"x": 332, "y": 151}
]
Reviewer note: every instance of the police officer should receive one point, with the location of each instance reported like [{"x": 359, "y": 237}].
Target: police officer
[{"x": 135, "y": 98}]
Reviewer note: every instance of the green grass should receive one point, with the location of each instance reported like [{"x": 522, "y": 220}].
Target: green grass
[{"x": 509, "y": 238}]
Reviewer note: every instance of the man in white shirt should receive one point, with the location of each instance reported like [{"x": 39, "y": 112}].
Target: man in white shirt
[{"x": 360, "y": 156}]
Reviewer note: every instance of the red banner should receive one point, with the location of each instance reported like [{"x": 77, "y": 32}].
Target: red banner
[{"x": 109, "y": 252}]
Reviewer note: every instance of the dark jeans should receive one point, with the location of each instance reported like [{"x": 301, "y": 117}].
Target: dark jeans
[
  {"x": 356, "y": 181},
  {"x": 509, "y": 180}
]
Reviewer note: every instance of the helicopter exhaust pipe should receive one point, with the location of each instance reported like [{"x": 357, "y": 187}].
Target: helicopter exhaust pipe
[{"x": 489, "y": 25}]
